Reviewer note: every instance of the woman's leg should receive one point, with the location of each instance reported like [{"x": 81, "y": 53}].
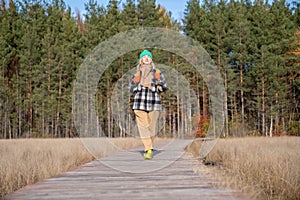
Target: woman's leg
[
  {"x": 143, "y": 123},
  {"x": 153, "y": 116}
]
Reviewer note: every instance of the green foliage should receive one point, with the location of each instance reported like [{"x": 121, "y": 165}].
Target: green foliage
[
  {"x": 250, "y": 42},
  {"x": 294, "y": 128},
  {"x": 42, "y": 46}
]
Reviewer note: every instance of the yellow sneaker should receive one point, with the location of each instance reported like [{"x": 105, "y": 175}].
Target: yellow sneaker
[{"x": 148, "y": 154}]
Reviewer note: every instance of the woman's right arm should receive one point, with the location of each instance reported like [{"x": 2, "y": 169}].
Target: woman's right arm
[{"x": 134, "y": 83}]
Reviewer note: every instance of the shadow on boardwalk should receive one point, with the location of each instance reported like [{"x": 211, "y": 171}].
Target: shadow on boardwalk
[{"x": 126, "y": 175}]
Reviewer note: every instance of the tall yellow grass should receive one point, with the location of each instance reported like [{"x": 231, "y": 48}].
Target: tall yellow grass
[
  {"x": 265, "y": 168},
  {"x": 26, "y": 161}
]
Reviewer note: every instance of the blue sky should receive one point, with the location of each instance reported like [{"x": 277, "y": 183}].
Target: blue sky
[{"x": 175, "y": 6}]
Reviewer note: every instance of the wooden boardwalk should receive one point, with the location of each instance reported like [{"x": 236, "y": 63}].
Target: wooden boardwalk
[{"x": 126, "y": 175}]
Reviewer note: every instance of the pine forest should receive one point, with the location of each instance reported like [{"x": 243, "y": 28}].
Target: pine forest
[{"x": 254, "y": 44}]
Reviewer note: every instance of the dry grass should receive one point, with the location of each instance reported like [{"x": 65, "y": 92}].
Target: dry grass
[
  {"x": 265, "y": 168},
  {"x": 26, "y": 161}
]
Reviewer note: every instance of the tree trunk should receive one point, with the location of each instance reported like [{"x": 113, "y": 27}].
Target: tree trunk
[
  {"x": 277, "y": 131},
  {"x": 235, "y": 117},
  {"x": 232, "y": 109},
  {"x": 108, "y": 110},
  {"x": 189, "y": 112},
  {"x": 30, "y": 111},
  {"x": 263, "y": 104},
  {"x": 98, "y": 127},
  {"x": 5, "y": 124},
  {"x": 19, "y": 120},
  {"x": 241, "y": 62},
  {"x": 178, "y": 115},
  {"x": 178, "y": 103},
  {"x": 170, "y": 120},
  {"x": 66, "y": 134},
  {"x": 121, "y": 121},
  {"x": 9, "y": 129},
  {"x": 52, "y": 123},
  {"x": 258, "y": 119},
  {"x": 43, "y": 117},
  {"x": 283, "y": 127},
  {"x": 58, "y": 107},
  {"x": 183, "y": 114},
  {"x": 225, "y": 104},
  {"x": 242, "y": 100},
  {"x": 174, "y": 124},
  {"x": 205, "y": 101},
  {"x": 263, "y": 97},
  {"x": 271, "y": 127},
  {"x": 49, "y": 131}
]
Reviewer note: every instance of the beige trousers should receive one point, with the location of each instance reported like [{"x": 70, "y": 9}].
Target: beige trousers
[{"x": 146, "y": 122}]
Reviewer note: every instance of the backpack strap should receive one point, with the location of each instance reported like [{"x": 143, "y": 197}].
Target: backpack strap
[
  {"x": 138, "y": 73},
  {"x": 157, "y": 74},
  {"x": 137, "y": 77}
]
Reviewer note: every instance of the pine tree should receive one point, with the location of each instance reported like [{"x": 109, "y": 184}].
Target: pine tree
[
  {"x": 150, "y": 15},
  {"x": 129, "y": 16},
  {"x": 94, "y": 24},
  {"x": 275, "y": 32},
  {"x": 10, "y": 40},
  {"x": 284, "y": 37},
  {"x": 112, "y": 19},
  {"x": 196, "y": 22},
  {"x": 239, "y": 46}
]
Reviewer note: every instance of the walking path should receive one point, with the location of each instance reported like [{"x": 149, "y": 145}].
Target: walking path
[{"x": 171, "y": 175}]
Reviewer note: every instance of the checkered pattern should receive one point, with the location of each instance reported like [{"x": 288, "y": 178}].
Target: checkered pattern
[{"x": 148, "y": 99}]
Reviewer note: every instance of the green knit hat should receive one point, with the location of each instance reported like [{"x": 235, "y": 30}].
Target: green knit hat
[{"x": 146, "y": 52}]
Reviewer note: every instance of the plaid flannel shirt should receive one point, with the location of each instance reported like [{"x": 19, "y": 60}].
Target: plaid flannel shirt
[{"x": 148, "y": 99}]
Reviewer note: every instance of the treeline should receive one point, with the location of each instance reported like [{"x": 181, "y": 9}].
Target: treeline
[
  {"x": 254, "y": 44},
  {"x": 256, "y": 47}
]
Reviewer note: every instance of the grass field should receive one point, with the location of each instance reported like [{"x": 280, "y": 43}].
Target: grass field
[
  {"x": 265, "y": 168},
  {"x": 26, "y": 161}
]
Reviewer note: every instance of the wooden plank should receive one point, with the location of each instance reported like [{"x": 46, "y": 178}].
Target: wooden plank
[{"x": 126, "y": 175}]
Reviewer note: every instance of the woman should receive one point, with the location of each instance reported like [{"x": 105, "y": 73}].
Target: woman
[{"x": 146, "y": 84}]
